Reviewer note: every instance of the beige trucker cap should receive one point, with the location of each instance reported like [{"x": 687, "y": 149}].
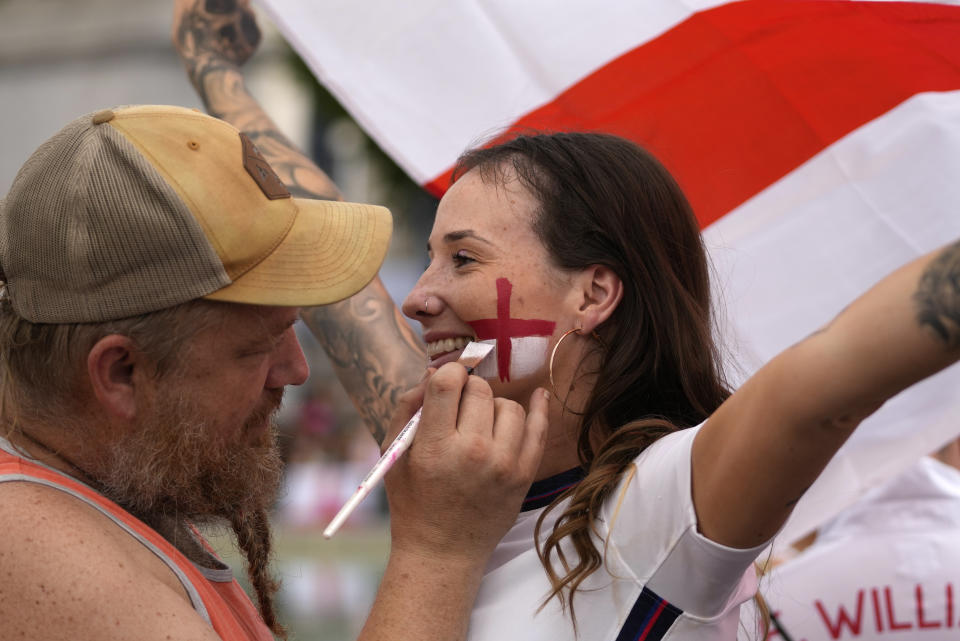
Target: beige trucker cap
[{"x": 136, "y": 209}]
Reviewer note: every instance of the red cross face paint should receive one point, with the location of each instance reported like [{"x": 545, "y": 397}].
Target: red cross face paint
[{"x": 521, "y": 344}]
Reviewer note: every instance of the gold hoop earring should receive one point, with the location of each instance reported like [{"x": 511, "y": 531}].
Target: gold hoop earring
[{"x": 553, "y": 354}]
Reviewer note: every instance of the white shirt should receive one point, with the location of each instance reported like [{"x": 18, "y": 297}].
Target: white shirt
[
  {"x": 661, "y": 579},
  {"x": 886, "y": 568}
]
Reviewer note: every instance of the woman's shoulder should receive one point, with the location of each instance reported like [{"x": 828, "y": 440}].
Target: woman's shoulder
[
  {"x": 655, "y": 489},
  {"x": 653, "y": 531},
  {"x": 671, "y": 449}
]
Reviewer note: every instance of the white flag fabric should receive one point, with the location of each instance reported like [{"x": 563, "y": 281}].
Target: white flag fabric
[{"x": 818, "y": 142}]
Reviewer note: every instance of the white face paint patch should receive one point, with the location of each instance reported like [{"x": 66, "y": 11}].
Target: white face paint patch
[{"x": 528, "y": 354}]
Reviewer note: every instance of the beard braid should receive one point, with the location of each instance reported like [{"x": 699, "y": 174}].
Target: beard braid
[
  {"x": 173, "y": 470},
  {"x": 254, "y": 540}
]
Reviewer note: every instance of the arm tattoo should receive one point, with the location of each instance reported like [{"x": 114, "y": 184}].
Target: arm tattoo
[
  {"x": 213, "y": 40},
  {"x": 938, "y": 296},
  {"x": 374, "y": 352}
]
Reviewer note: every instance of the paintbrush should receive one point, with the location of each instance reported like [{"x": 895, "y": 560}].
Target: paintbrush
[{"x": 471, "y": 356}]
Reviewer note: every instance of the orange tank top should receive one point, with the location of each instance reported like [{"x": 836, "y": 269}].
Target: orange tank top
[{"x": 215, "y": 594}]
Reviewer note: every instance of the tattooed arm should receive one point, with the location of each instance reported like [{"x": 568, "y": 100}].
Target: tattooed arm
[
  {"x": 374, "y": 352},
  {"x": 938, "y": 297},
  {"x": 759, "y": 452}
]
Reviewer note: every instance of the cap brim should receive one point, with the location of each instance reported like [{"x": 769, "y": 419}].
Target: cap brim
[{"x": 333, "y": 250}]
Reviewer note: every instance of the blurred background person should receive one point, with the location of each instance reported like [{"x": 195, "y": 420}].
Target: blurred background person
[{"x": 884, "y": 568}]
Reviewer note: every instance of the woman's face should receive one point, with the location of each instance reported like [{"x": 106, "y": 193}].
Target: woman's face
[{"x": 490, "y": 277}]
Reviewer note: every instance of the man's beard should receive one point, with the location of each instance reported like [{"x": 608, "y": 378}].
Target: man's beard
[
  {"x": 174, "y": 469},
  {"x": 174, "y": 465}
]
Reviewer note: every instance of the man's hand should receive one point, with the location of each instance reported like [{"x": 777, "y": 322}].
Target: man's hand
[
  {"x": 460, "y": 486},
  {"x": 213, "y": 33},
  {"x": 452, "y": 497}
]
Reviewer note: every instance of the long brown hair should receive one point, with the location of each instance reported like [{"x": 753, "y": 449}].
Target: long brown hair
[{"x": 606, "y": 201}]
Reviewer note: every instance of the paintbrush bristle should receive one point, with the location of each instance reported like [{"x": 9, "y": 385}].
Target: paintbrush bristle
[{"x": 475, "y": 352}]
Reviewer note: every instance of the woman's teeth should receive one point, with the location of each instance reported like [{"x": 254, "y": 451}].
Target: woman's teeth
[{"x": 447, "y": 345}]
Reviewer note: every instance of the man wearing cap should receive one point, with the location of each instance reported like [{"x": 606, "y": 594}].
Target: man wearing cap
[{"x": 152, "y": 267}]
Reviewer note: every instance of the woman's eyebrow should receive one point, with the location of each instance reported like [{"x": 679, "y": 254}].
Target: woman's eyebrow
[
  {"x": 464, "y": 233},
  {"x": 454, "y": 236}
]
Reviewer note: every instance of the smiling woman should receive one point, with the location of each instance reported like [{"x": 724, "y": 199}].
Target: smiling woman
[
  {"x": 482, "y": 245},
  {"x": 572, "y": 239}
]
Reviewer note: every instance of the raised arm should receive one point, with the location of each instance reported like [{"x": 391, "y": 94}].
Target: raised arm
[
  {"x": 766, "y": 445},
  {"x": 374, "y": 352}
]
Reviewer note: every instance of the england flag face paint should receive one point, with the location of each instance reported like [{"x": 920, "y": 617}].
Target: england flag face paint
[
  {"x": 527, "y": 355},
  {"x": 521, "y": 344},
  {"x": 491, "y": 278}
]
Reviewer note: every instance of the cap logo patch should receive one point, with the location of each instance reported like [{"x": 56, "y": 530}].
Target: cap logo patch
[{"x": 261, "y": 172}]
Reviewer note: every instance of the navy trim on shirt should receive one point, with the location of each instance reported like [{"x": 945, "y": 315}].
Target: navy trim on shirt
[
  {"x": 649, "y": 619},
  {"x": 543, "y": 492}
]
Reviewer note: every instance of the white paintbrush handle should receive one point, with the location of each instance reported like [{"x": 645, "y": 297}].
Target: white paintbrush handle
[{"x": 379, "y": 469}]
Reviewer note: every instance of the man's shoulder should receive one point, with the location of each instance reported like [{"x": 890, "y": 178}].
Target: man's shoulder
[
  {"x": 44, "y": 525},
  {"x": 50, "y": 514},
  {"x": 42, "y": 510},
  {"x": 68, "y": 567},
  {"x": 48, "y": 530}
]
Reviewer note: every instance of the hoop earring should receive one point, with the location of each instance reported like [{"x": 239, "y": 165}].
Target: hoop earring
[{"x": 553, "y": 354}]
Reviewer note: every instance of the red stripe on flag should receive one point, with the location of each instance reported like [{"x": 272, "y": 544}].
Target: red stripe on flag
[{"x": 736, "y": 97}]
